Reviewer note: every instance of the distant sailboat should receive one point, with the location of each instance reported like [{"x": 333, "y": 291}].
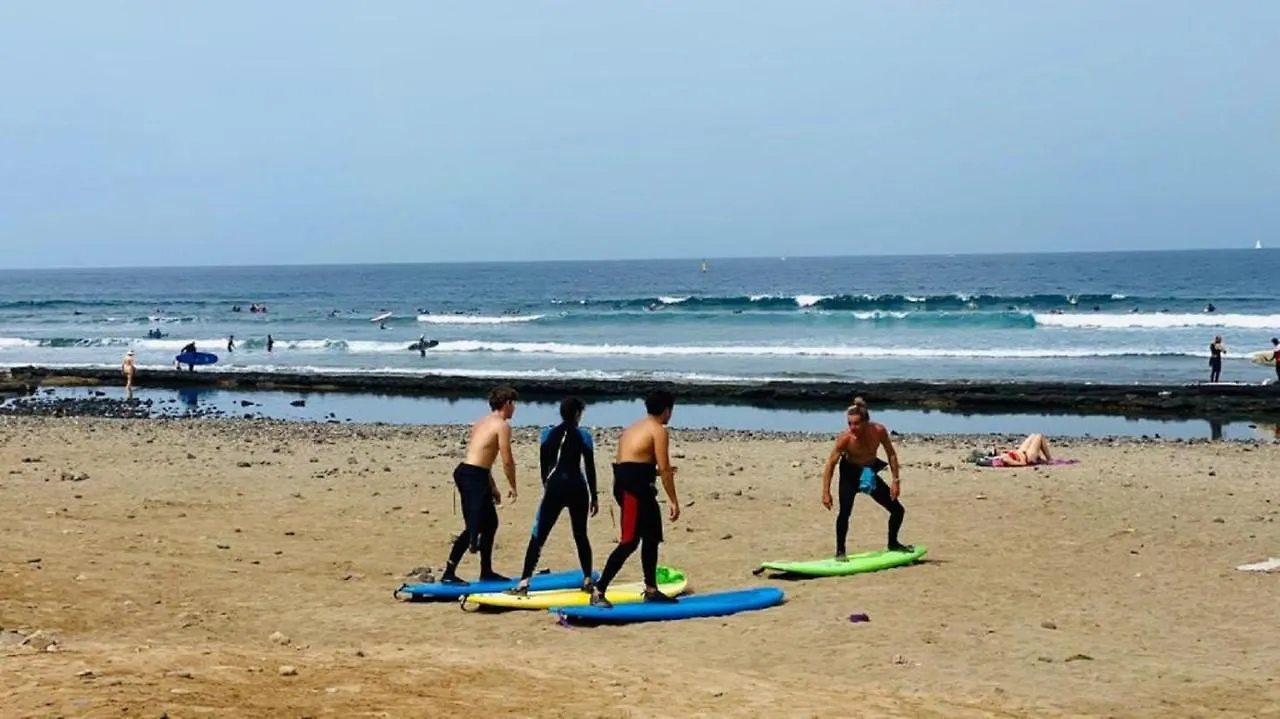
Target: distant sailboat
[
  {"x": 704, "y": 265},
  {"x": 1257, "y": 244}
]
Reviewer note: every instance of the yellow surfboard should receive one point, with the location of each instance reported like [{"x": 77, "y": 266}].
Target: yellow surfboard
[{"x": 671, "y": 582}]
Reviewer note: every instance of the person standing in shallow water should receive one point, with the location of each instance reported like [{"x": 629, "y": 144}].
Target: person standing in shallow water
[
  {"x": 490, "y": 437},
  {"x": 1216, "y": 350},
  {"x": 856, "y": 452}
]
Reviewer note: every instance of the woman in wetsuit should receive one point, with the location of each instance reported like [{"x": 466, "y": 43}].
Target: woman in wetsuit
[{"x": 565, "y": 450}]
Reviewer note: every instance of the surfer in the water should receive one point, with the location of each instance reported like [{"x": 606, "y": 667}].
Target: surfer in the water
[
  {"x": 643, "y": 454},
  {"x": 856, "y": 452},
  {"x": 1275, "y": 355},
  {"x": 490, "y": 436},
  {"x": 189, "y": 348},
  {"x": 564, "y": 451}
]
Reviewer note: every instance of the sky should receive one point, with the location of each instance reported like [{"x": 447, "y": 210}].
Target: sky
[{"x": 160, "y": 133}]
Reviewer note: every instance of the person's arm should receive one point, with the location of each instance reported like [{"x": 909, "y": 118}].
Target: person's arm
[
  {"x": 508, "y": 461},
  {"x": 892, "y": 455},
  {"x": 589, "y": 459},
  {"x": 829, "y": 470},
  {"x": 661, "y": 450}
]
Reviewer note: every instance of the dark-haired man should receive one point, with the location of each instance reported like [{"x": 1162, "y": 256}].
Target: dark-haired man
[
  {"x": 490, "y": 436},
  {"x": 643, "y": 454},
  {"x": 565, "y": 451}
]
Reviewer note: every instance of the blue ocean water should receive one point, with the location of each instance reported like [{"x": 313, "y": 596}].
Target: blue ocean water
[{"x": 1127, "y": 317}]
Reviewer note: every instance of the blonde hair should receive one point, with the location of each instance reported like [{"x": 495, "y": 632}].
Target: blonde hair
[{"x": 859, "y": 407}]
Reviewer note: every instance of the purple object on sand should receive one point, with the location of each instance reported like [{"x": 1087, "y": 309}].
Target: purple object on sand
[{"x": 859, "y": 617}]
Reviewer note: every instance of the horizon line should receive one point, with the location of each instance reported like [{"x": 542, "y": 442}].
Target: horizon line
[{"x": 691, "y": 258}]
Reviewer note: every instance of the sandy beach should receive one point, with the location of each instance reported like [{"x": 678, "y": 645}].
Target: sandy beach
[{"x": 245, "y": 569}]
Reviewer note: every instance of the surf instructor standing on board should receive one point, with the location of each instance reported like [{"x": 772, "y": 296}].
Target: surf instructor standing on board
[
  {"x": 855, "y": 451},
  {"x": 490, "y": 436}
]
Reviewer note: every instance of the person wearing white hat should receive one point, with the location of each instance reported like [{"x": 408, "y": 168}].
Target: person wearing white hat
[{"x": 127, "y": 368}]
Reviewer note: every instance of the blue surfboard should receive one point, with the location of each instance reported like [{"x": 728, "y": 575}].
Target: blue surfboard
[
  {"x": 537, "y": 583},
  {"x": 689, "y": 607},
  {"x": 196, "y": 358}
]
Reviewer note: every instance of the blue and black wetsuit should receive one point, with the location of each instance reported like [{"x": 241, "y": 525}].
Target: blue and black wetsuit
[{"x": 565, "y": 450}]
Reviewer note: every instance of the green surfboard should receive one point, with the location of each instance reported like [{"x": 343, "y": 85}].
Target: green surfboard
[{"x": 855, "y": 564}]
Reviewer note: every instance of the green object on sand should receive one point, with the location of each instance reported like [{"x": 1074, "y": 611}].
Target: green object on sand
[{"x": 855, "y": 564}]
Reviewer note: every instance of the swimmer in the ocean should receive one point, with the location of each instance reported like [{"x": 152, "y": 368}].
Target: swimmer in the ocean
[{"x": 271, "y": 343}]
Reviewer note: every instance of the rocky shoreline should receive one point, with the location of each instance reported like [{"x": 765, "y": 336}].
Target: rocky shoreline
[
  {"x": 34, "y": 411},
  {"x": 1198, "y": 401}
]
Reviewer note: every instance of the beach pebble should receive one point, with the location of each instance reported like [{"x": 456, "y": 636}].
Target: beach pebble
[
  {"x": 85, "y": 674},
  {"x": 288, "y": 671},
  {"x": 1219, "y": 520},
  {"x": 279, "y": 638},
  {"x": 1048, "y": 625}
]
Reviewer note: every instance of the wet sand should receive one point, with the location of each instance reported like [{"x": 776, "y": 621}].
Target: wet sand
[{"x": 182, "y": 565}]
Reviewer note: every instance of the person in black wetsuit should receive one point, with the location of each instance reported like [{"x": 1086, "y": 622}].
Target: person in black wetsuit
[
  {"x": 1216, "y": 350},
  {"x": 1275, "y": 356},
  {"x": 643, "y": 455},
  {"x": 855, "y": 451},
  {"x": 490, "y": 437},
  {"x": 565, "y": 449}
]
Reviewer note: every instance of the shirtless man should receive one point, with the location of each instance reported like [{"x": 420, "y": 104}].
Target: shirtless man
[
  {"x": 490, "y": 436},
  {"x": 643, "y": 454},
  {"x": 127, "y": 367},
  {"x": 855, "y": 451}
]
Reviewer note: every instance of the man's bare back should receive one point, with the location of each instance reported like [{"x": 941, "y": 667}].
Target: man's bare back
[
  {"x": 485, "y": 439},
  {"x": 646, "y": 442},
  {"x": 491, "y": 436},
  {"x": 639, "y": 442}
]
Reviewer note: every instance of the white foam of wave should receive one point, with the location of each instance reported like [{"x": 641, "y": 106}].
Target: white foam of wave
[
  {"x": 881, "y": 314},
  {"x": 369, "y": 347},
  {"x": 477, "y": 319},
  {"x": 7, "y": 343},
  {"x": 1118, "y": 296},
  {"x": 810, "y": 300},
  {"x": 580, "y": 350},
  {"x": 667, "y": 300},
  {"x": 1138, "y": 320},
  {"x": 913, "y": 298},
  {"x": 759, "y": 298}
]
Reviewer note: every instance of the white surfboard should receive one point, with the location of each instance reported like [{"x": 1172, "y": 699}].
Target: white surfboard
[
  {"x": 381, "y": 317},
  {"x": 1265, "y": 357}
]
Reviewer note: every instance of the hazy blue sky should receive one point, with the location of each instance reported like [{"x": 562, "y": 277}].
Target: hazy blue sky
[{"x": 235, "y": 132}]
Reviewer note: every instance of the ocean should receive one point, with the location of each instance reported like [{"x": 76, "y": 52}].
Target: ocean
[{"x": 1095, "y": 317}]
